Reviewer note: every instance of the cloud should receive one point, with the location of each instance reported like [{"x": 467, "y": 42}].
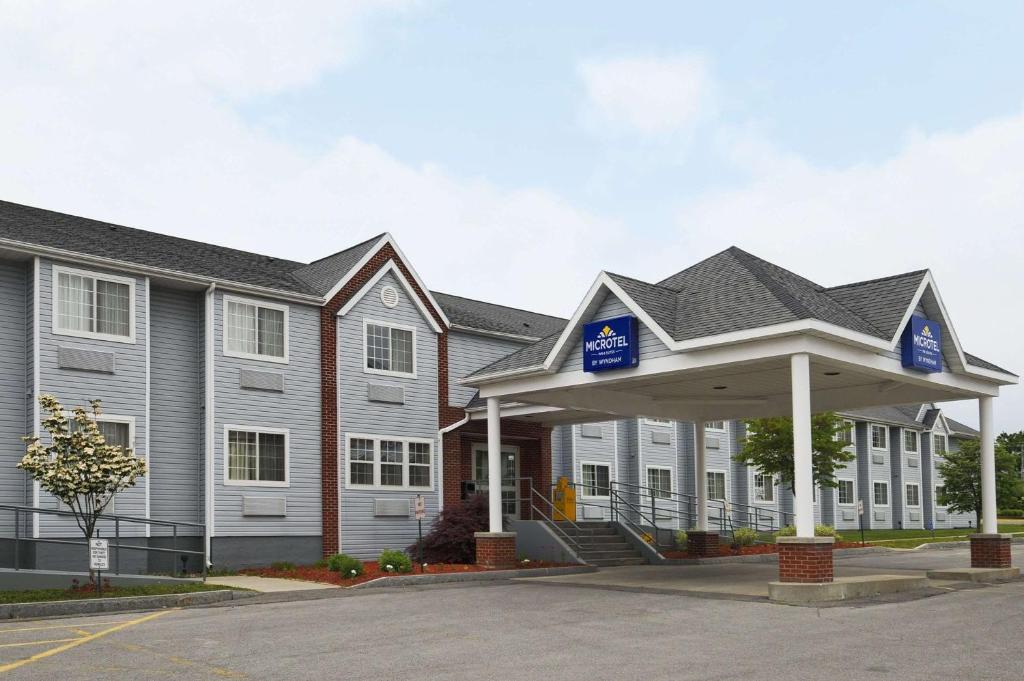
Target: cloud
[
  {"x": 130, "y": 114},
  {"x": 947, "y": 201},
  {"x": 647, "y": 95}
]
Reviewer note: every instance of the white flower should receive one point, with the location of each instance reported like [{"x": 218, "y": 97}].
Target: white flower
[
  {"x": 353, "y": 573},
  {"x": 390, "y": 567}
]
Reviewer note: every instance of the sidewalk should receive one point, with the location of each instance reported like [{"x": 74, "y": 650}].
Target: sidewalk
[{"x": 268, "y": 584}]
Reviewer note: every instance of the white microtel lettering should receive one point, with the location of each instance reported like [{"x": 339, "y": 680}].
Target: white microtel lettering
[{"x": 607, "y": 343}]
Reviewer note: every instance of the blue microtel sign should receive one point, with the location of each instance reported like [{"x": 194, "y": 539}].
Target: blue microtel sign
[
  {"x": 611, "y": 344},
  {"x": 922, "y": 345}
]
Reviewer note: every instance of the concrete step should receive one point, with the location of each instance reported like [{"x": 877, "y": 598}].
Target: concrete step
[
  {"x": 601, "y": 555},
  {"x": 622, "y": 545},
  {"x": 612, "y": 562}
]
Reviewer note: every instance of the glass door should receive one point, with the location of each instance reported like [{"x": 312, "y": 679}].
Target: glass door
[{"x": 509, "y": 474}]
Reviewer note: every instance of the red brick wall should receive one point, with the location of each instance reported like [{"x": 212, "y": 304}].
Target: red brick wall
[
  {"x": 702, "y": 544},
  {"x": 329, "y": 384},
  {"x": 496, "y": 552},
  {"x": 990, "y": 552},
  {"x": 805, "y": 562}
]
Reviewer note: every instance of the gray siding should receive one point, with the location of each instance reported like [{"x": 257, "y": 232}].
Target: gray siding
[
  {"x": 594, "y": 443},
  {"x": 654, "y": 453},
  {"x": 362, "y": 534},
  {"x": 176, "y": 450},
  {"x": 297, "y": 409},
  {"x": 845, "y": 517},
  {"x": 15, "y": 280},
  {"x": 878, "y": 517},
  {"x": 650, "y": 345},
  {"x": 468, "y": 352},
  {"x": 123, "y": 392}
]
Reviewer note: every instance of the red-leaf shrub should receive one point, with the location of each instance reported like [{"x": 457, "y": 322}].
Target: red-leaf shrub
[{"x": 450, "y": 539}]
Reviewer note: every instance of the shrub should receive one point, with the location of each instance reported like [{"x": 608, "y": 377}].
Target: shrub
[
  {"x": 394, "y": 560},
  {"x": 346, "y": 566},
  {"x": 681, "y": 539},
  {"x": 819, "y": 531},
  {"x": 322, "y": 563},
  {"x": 450, "y": 539},
  {"x": 744, "y": 536},
  {"x": 1011, "y": 513},
  {"x": 282, "y": 566}
]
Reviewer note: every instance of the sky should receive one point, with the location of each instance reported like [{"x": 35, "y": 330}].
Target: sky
[{"x": 515, "y": 150}]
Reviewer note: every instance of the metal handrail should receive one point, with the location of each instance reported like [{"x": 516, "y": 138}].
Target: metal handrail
[{"x": 118, "y": 547}]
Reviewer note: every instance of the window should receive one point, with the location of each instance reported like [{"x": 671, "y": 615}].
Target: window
[
  {"x": 116, "y": 430},
  {"x": 846, "y": 434},
  {"x": 255, "y": 330},
  {"x": 256, "y": 456},
  {"x": 657, "y": 422},
  {"x": 939, "y": 446},
  {"x": 881, "y": 493},
  {"x": 595, "y": 480},
  {"x": 390, "y": 350},
  {"x": 716, "y": 485},
  {"x": 913, "y": 494},
  {"x": 846, "y": 493},
  {"x": 910, "y": 441},
  {"x": 940, "y": 495},
  {"x": 764, "y": 488},
  {"x": 93, "y": 305},
  {"x": 714, "y": 425},
  {"x": 659, "y": 480},
  {"x": 390, "y": 462},
  {"x": 879, "y": 437}
]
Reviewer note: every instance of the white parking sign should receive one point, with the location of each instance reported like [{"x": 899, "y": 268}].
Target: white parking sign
[
  {"x": 421, "y": 507},
  {"x": 860, "y": 507},
  {"x": 99, "y": 554}
]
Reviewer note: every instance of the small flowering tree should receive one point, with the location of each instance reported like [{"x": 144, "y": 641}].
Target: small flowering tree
[{"x": 78, "y": 466}]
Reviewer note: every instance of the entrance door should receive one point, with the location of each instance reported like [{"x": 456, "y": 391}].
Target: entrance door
[{"x": 509, "y": 474}]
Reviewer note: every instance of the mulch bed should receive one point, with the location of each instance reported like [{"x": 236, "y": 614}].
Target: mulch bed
[
  {"x": 754, "y": 550},
  {"x": 371, "y": 570}
]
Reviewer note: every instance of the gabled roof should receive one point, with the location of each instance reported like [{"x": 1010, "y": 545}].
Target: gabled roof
[
  {"x": 957, "y": 428},
  {"x": 499, "y": 319},
  {"x": 734, "y": 292},
  {"x": 322, "y": 275}
]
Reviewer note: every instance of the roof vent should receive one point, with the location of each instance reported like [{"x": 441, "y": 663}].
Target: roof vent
[{"x": 389, "y": 296}]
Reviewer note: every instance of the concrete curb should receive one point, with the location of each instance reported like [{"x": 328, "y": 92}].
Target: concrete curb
[
  {"x": 125, "y": 604},
  {"x": 771, "y": 557},
  {"x": 486, "y": 576}
]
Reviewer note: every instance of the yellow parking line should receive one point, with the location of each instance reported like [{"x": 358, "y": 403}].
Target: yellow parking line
[
  {"x": 60, "y": 626},
  {"x": 36, "y": 643},
  {"x": 79, "y": 641}
]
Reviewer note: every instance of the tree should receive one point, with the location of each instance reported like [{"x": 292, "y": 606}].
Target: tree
[
  {"x": 960, "y": 472},
  {"x": 1014, "y": 443},
  {"x": 78, "y": 466},
  {"x": 768, "y": 447}
]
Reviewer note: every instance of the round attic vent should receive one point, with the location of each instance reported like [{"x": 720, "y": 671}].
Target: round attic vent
[{"x": 389, "y": 296}]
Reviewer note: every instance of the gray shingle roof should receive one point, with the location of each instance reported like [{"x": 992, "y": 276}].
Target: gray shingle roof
[
  {"x": 532, "y": 355},
  {"x": 736, "y": 291},
  {"x": 961, "y": 428},
  {"x": 321, "y": 275},
  {"x": 476, "y": 314}
]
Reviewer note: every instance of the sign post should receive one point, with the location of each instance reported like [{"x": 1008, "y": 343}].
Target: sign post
[
  {"x": 99, "y": 559},
  {"x": 421, "y": 511},
  {"x": 860, "y": 516}
]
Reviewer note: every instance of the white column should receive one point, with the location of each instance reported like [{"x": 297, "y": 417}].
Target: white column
[
  {"x": 494, "y": 462},
  {"x": 700, "y": 467},
  {"x": 988, "y": 466},
  {"x": 800, "y": 366}
]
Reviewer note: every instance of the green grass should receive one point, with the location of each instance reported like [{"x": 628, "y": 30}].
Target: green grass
[
  {"x": 37, "y": 595},
  {"x": 877, "y": 535}
]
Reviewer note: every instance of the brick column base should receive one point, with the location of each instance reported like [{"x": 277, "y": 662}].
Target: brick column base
[
  {"x": 805, "y": 559},
  {"x": 496, "y": 550},
  {"x": 702, "y": 544},
  {"x": 990, "y": 550}
]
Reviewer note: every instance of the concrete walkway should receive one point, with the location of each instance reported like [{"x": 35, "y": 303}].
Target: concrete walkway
[
  {"x": 749, "y": 581},
  {"x": 268, "y": 584}
]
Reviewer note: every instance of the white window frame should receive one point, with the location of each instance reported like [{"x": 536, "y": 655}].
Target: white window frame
[
  {"x": 111, "y": 418},
  {"x": 57, "y": 270},
  {"x": 753, "y": 489},
  {"x": 583, "y": 485},
  {"x": 917, "y": 442},
  {"x": 257, "y": 303},
  {"x": 871, "y": 437},
  {"x": 935, "y": 494},
  {"x": 852, "y": 444},
  {"x": 376, "y": 438},
  {"x": 228, "y": 482},
  {"x": 671, "y": 480},
  {"x": 850, "y": 504},
  {"x": 906, "y": 501},
  {"x": 945, "y": 447},
  {"x": 716, "y": 429},
  {"x": 888, "y": 494},
  {"x": 725, "y": 483},
  {"x": 366, "y": 351},
  {"x": 654, "y": 421}
]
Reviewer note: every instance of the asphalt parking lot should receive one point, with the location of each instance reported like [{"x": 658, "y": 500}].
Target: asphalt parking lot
[{"x": 530, "y": 631}]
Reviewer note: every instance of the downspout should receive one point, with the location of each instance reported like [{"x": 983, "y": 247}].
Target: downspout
[
  {"x": 208, "y": 389},
  {"x": 440, "y": 458}
]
